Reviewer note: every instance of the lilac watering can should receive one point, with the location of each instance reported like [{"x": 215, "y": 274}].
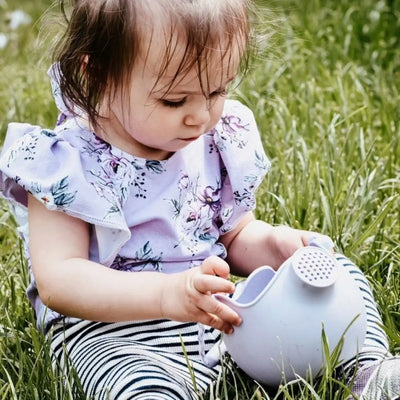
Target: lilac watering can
[{"x": 286, "y": 314}]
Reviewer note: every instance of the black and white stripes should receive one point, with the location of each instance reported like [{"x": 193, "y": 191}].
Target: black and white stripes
[
  {"x": 142, "y": 360},
  {"x": 376, "y": 346}
]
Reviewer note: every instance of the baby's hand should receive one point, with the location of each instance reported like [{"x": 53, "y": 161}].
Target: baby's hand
[
  {"x": 287, "y": 240},
  {"x": 188, "y": 296}
]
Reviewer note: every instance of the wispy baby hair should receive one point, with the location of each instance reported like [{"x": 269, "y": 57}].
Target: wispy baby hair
[{"x": 104, "y": 38}]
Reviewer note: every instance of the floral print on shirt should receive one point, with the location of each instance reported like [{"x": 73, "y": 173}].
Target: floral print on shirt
[
  {"x": 194, "y": 210},
  {"x": 116, "y": 175},
  {"x": 232, "y": 131},
  {"x": 58, "y": 195},
  {"x": 144, "y": 260}
]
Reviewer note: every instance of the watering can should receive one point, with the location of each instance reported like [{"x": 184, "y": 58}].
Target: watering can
[{"x": 293, "y": 319}]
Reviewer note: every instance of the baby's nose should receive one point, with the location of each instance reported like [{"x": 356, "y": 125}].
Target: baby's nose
[{"x": 198, "y": 115}]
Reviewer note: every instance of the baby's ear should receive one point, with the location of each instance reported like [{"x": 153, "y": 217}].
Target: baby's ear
[{"x": 85, "y": 62}]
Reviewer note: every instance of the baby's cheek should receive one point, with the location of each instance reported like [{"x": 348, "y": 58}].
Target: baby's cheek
[{"x": 216, "y": 114}]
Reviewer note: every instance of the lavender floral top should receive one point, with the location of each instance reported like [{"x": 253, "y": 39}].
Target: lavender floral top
[{"x": 163, "y": 216}]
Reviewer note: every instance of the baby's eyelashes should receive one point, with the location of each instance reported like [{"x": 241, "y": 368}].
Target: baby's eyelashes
[
  {"x": 221, "y": 92},
  {"x": 173, "y": 103}
]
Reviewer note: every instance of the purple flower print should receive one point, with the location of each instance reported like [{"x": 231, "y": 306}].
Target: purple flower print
[
  {"x": 196, "y": 223},
  {"x": 117, "y": 173},
  {"x": 95, "y": 146},
  {"x": 112, "y": 179},
  {"x": 232, "y": 131},
  {"x": 194, "y": 210},
  {"x": 184, "y": 182},
  {"x": 116, "y": 170},
  {"x": 211, "y": 198},
  {"x": 231, "y": 124},
  {"x": 191, "y": 218}
]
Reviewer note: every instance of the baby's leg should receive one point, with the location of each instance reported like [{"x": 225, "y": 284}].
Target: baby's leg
[
  {"x": 376, "y": 346},
  {"x": 374, "y": 374},
  {"x": 111, "y": 364}
]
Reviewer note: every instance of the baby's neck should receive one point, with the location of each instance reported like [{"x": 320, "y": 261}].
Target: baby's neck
[{"x": 113, "y": 133}]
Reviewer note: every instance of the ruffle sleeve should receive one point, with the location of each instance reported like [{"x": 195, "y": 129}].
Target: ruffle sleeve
[
  {"x": 245, "y": 163},
  {"x": 40, "y": 162}
]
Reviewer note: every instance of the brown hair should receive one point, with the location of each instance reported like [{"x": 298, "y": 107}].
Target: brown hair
[{"x": 104, "y": 38}]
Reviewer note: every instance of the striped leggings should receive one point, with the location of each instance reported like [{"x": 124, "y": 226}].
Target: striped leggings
[{"x": 146, "y": 360}]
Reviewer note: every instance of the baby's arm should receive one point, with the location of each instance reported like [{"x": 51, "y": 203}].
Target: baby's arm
[
  {"x": 254, "y": 243},
  {"x": 71, "y": 284}
]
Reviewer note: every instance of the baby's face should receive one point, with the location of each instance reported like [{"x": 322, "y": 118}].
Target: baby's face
[{"x": 150, "y": 121}]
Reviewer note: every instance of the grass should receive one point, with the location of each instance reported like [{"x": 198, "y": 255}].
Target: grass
[{"x": 327, "y": 100}]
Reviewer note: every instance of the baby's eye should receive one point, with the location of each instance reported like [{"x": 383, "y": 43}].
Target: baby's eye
[
  {"x": 173, "y": 103},
  {"x": 221, "y": 92}
]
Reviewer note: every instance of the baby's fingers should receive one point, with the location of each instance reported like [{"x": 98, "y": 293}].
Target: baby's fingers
[
  {"x": 219, "y": 315},
  {"x": 215, "y": 266},
  {"x": 212, "y": 284}
]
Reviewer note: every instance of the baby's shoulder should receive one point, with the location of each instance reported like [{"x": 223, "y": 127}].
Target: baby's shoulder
[
  {"x": 236, "y": 118},
  {"x": 236, "y": 129},
  {"x": 235, "y": 107},
  {"x": 33, "y": 147},
  {"x": 19, "y": 133}
]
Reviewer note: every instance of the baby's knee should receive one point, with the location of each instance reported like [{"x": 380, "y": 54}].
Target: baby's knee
[{"x": 152, "y": 382}]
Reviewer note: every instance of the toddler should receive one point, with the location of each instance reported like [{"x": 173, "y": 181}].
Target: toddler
[{"x": 138, "y": 205}]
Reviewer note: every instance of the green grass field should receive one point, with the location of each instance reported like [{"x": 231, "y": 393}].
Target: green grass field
[{"x": 327, "y": 100}]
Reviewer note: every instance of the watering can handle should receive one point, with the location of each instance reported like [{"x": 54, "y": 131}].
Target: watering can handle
[
  {"x": 214, "y": 354},
  {"x": 322, "y": 241}
]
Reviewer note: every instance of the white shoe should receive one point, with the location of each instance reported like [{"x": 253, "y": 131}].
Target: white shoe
[{"x": 378, "y": 381}]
